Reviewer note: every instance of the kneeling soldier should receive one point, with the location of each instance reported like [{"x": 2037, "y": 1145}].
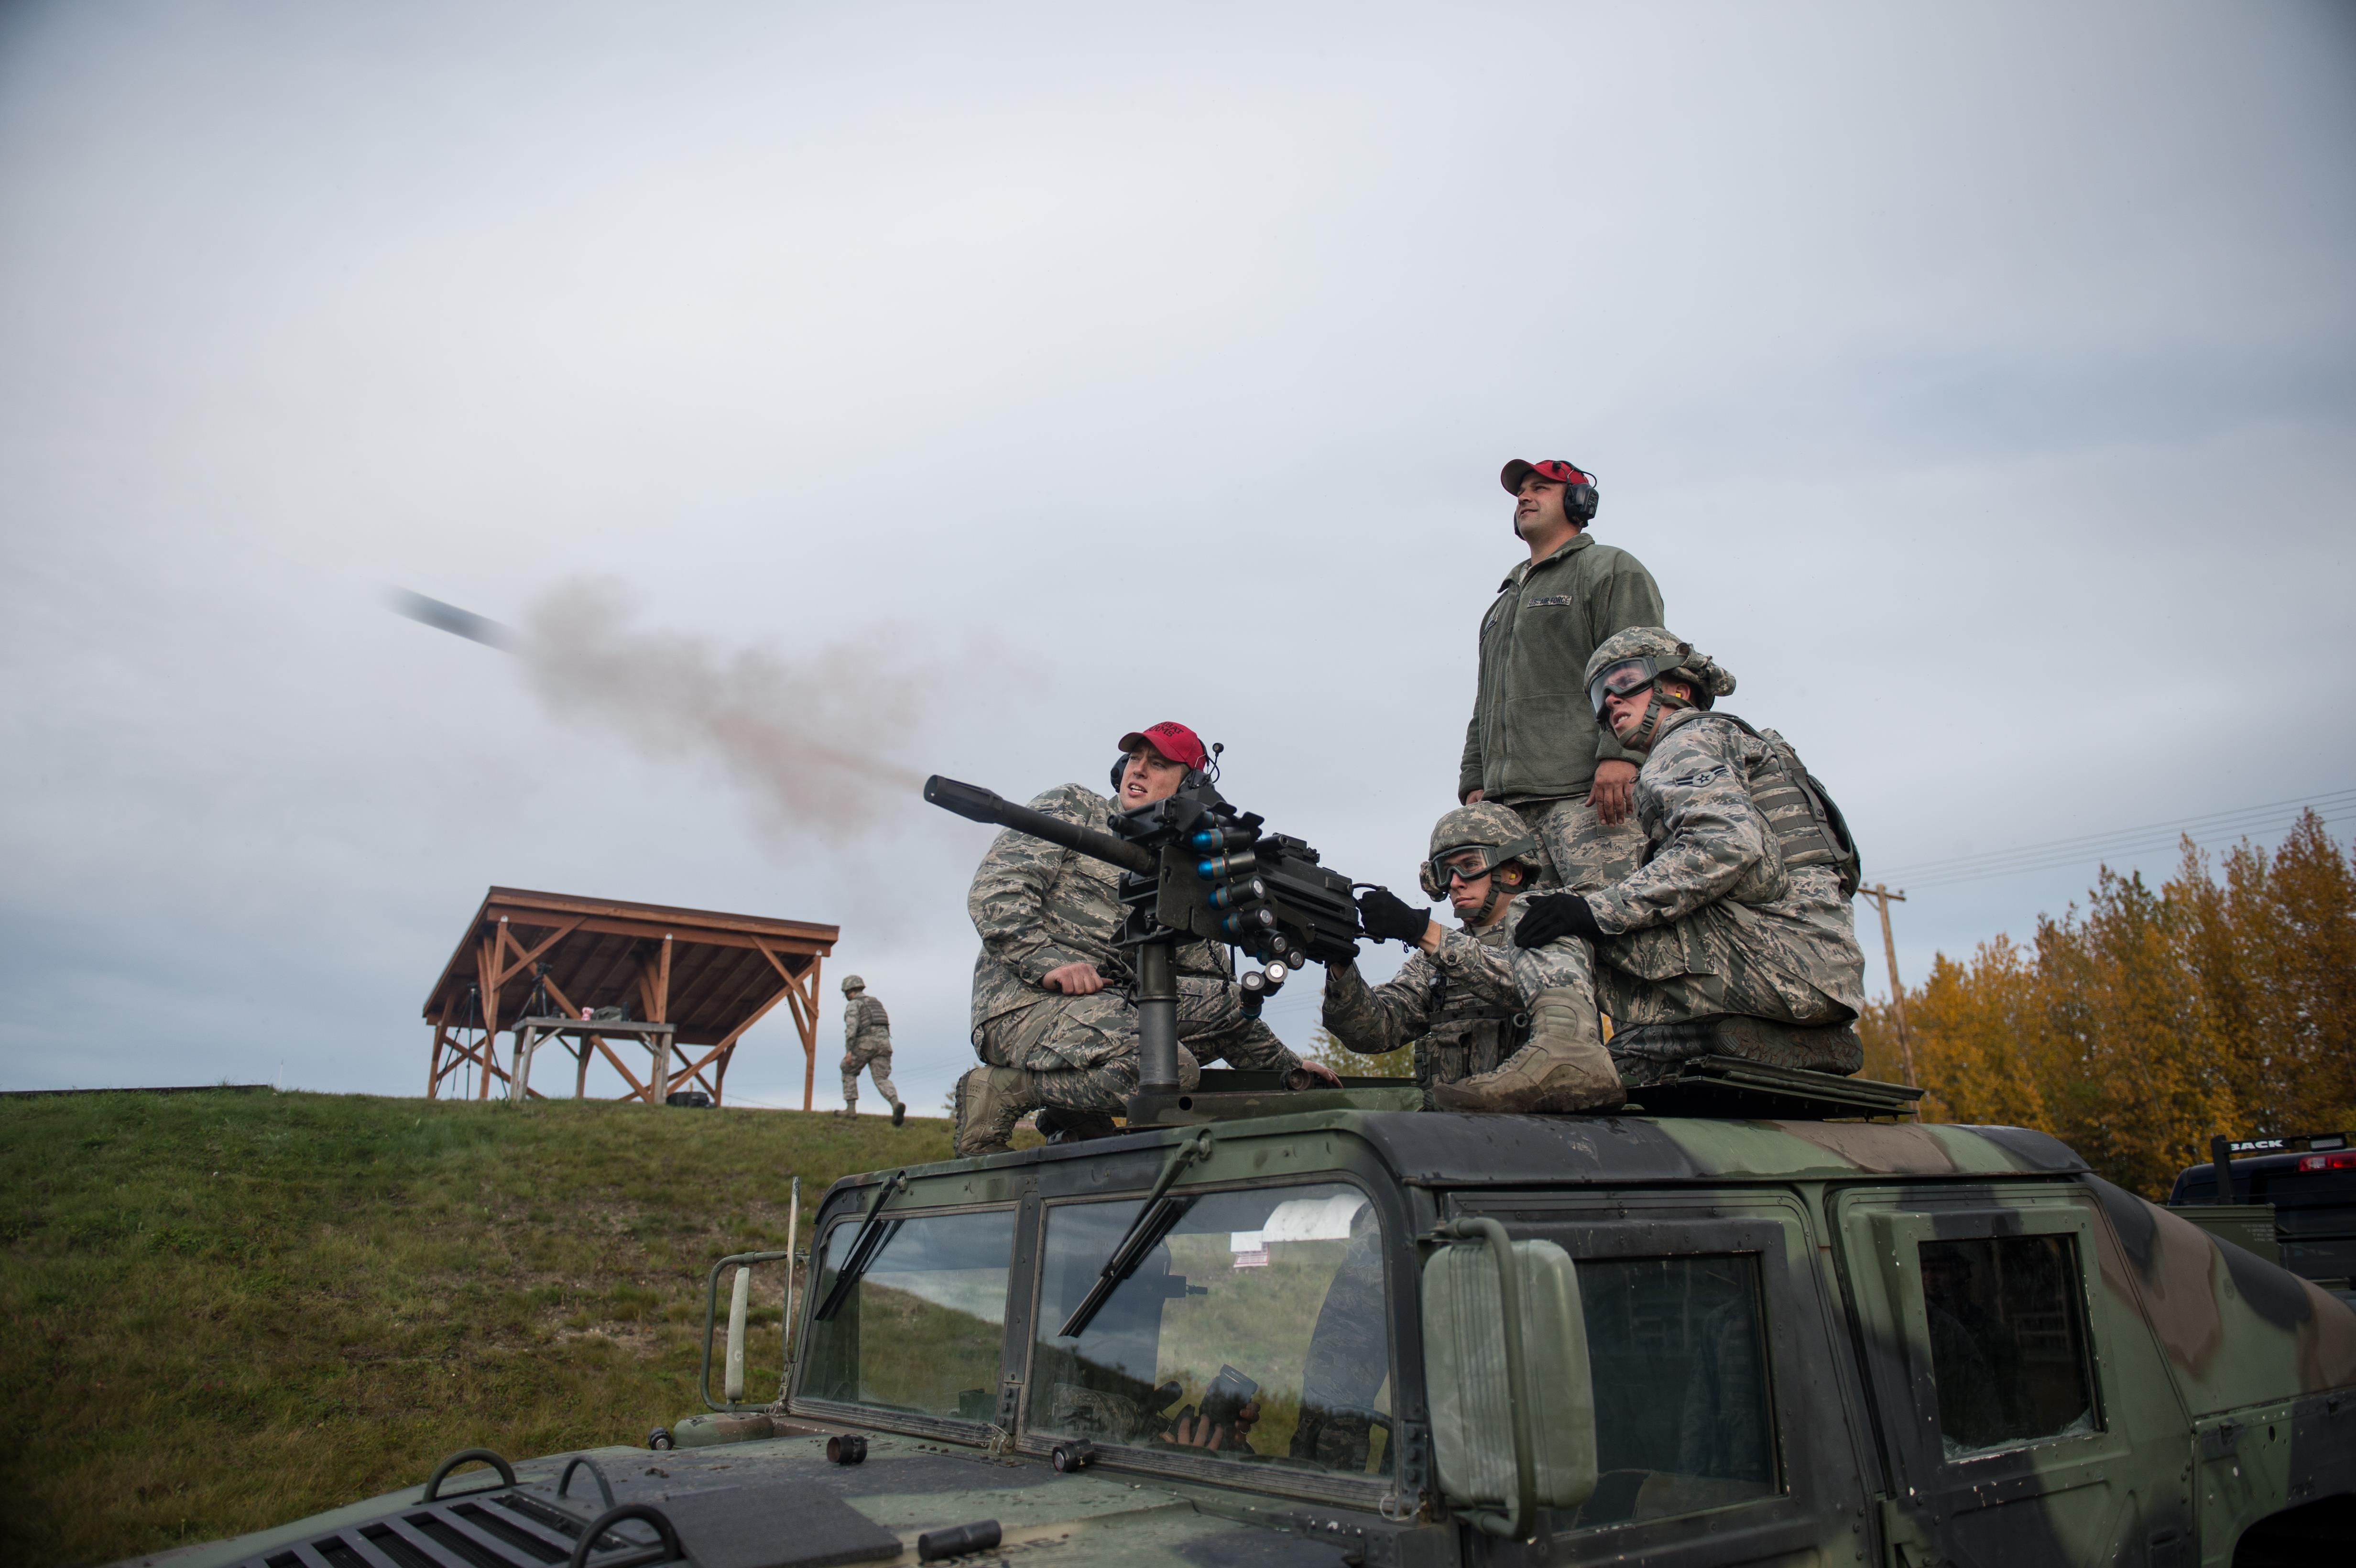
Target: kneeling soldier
[
  {"x": 1494, "y": 1027},
  {"x": 1053, "y": 1021},
  {"x": 866, "y": 1042},
  {"x": 1735, "y": 936}
]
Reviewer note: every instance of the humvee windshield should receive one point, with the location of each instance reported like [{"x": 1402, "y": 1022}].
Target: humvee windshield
[
  {"x": 1255, "y": 1330},
  {"x": 922, "y": 1329}
]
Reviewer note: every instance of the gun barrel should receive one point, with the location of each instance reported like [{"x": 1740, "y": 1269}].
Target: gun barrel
[{"x": 977, "y": 804}]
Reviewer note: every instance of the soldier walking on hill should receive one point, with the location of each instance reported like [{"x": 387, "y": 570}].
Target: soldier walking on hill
[
  {"x": 1534, "y": 744},
  {"x": 866, "y": 1042}
]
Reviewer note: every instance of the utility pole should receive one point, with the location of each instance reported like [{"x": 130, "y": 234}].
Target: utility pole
[{"x": 1883, "y": 898}]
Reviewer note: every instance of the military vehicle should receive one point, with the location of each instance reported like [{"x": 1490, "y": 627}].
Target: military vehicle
[
  {"x": 1762, "y": 1319},
  {"x": 2288, "y": 1197}
]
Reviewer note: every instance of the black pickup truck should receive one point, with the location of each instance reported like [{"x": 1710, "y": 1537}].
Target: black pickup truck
[{"x": 2290, "y": 1197}]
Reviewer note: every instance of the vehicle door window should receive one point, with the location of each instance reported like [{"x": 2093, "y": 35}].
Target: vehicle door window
[
  {"x": 1255, "y": 1330},
  {"x": 1683, "y": 1419},
  {"x": 2007, "y": 1341},
  {"x": 923, "y": 1329}
]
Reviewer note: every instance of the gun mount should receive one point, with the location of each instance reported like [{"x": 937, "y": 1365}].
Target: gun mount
[{"x": 1194, "y": 868}]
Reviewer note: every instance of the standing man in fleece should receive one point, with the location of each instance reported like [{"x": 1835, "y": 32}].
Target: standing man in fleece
[{"x": 1534, "y": 744}]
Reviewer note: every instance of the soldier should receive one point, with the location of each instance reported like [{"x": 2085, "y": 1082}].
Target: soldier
[
  {"x": 866, "y": 1042},
  {"x": 1532, "y": 743},
  {"x": 1735, "y": 937},
  {"x": 1053, "y": 1021},
  {"x": 1518, "y": 1023}
]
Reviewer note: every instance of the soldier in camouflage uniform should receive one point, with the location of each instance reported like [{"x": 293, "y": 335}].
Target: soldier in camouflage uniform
[
  {"x": 1469, "y": 1001},
  {"x": 866, "y": 1042},
  {"x": 1736, "y": 936},
  {"x": 1052, "y": 1021},
  {"x": 1532, "y": 743}
]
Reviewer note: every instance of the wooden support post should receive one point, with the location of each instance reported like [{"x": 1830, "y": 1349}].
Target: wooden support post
[
  {"x": 662, "y": 1015},
  {"x": 580, "y": 1079},
  {"x": 654, "y": 998},
  {"x": 809, "y": 1033},
  {"x": 660, "y": 1084},
  {"x": 800, "y": 996},
  {"x": 493, "y": 948},
  {"x": 1883, "y": 898},
  {"x": 529, "y": 1038},
  {"x": 441, "y": 1033}
]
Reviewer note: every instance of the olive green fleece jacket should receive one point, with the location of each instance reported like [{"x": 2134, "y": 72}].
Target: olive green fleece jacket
[{"x": 1533, "y": 736}]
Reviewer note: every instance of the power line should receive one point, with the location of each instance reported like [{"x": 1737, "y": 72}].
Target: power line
[
  {"x": 2118, "y": 852},
  {"x": 2118, "y": 842},
  {"x": 2095, "y": 840}
]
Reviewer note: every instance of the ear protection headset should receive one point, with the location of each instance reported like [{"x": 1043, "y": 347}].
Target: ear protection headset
[{"x": 1579, "y": 501}]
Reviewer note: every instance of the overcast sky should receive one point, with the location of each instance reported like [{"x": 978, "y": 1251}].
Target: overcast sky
[{"x": 1979, "y": 381}]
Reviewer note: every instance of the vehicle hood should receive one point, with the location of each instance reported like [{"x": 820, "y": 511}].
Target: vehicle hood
[{"x": 779, "y": 1503}]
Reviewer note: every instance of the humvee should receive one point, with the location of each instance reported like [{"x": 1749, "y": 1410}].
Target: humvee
[{"x": 1763, "y": 1320}]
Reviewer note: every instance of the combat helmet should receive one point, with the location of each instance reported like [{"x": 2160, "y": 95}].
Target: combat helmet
[
  {"x": 1492, "y": 829},
  {"x": 1646, "y": 656},
  {"x": 853, "y": 983}
]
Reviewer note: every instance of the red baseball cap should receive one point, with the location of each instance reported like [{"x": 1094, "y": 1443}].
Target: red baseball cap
[
  {"x": 1172, "y": 739},
  {"x": 1553, "y": 468}
]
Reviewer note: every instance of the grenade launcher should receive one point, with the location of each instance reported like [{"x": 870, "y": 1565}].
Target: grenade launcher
[{"x": 1195, "y": 866}]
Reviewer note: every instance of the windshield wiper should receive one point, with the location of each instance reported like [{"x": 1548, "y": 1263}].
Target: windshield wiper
[
  {"x": 1153, "y": 1221},
  {"x": 872, "y": 1234}
]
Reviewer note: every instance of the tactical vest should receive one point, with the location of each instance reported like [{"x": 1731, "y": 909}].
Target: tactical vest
[
  {"x": 872, "y": 1019},
  {"x": 1466, "y": 1037},
  {"x": 1801, "y": 813}
]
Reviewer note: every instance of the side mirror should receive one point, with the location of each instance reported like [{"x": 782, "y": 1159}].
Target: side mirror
[{"x": 1505, "y": 1362}]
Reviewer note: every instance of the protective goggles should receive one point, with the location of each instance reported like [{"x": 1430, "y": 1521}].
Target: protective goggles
[
  {"x": 1627, "y": 675},
  {"x": 1470, "y": 861}
]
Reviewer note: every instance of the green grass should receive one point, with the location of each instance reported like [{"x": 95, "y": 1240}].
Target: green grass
[{"x": 224, "y": 1311}]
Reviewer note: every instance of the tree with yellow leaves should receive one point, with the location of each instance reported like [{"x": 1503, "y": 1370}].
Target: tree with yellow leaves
[{"x": 2137, "y": 1029}]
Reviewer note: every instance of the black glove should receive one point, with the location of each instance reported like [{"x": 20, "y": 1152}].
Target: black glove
[
  {"x": 1385, "y": 915},
  {"x": 1556, "y": 914}
]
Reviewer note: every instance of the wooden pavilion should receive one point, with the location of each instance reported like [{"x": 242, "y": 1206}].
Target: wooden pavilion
[{"x": 683, "y": 984}]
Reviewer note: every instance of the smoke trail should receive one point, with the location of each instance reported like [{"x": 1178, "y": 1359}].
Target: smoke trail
[{"x": 807, "y": 739}]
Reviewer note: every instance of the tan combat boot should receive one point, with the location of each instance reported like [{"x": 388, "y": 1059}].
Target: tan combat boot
[
  {"x": 1563, "y": 1068},
  {"x": 989, "y": 1101}
]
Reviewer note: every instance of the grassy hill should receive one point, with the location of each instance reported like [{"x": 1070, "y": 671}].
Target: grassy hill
[{"x": 220, "y": 1311}]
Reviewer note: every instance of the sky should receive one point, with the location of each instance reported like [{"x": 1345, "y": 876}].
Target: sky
[{"x": 1977, "y": 381}]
